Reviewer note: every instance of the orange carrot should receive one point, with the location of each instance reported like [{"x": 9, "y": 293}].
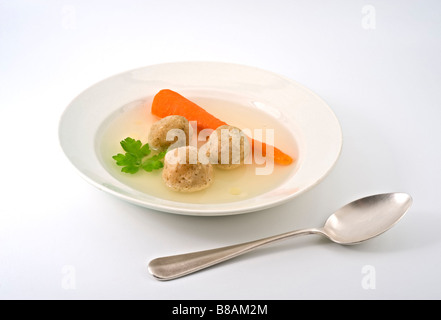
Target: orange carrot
[
  {"x": 279, "y": 156},
  {"x": 167, "y": 102}
]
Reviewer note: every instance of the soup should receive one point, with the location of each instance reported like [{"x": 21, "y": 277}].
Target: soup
[{"x": 134, "y": 120}]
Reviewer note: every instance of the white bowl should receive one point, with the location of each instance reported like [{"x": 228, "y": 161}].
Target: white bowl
[{"x": 309, "y": 119}]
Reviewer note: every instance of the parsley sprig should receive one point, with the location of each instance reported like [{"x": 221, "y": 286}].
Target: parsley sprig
[{"x": 135, "y": 155}]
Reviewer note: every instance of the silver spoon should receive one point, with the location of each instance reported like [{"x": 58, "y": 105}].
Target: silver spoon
[{"x": 358, "y": 221}]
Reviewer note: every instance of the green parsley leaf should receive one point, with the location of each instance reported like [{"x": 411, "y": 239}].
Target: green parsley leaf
[
  {"x": 130, "y": 169},
  {"x": 125, "y": 159},
  {"x": 135, "y": 155},
  {"x": 154, "y": 163},
  {"x": 135, "y": 147}
]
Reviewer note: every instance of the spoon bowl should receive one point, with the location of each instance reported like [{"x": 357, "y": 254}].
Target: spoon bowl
[
  {"x": 366, "y": 218},
  {"x": 357, "y": 221}
]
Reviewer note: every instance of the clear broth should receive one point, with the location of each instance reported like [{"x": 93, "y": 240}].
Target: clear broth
[{"x": 134, "y": 120}]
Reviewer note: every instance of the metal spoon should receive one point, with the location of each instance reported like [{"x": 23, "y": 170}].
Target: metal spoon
[{"x": 358, "y": 221}]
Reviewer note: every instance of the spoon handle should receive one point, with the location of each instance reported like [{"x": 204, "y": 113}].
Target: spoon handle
[{"x": 172, "y": 267}]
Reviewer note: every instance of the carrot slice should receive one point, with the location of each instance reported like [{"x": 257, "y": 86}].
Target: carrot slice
[{"x": 167, "y": 102}]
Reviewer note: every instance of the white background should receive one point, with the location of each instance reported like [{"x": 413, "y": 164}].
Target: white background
[{"x": 377, "y": 64}]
